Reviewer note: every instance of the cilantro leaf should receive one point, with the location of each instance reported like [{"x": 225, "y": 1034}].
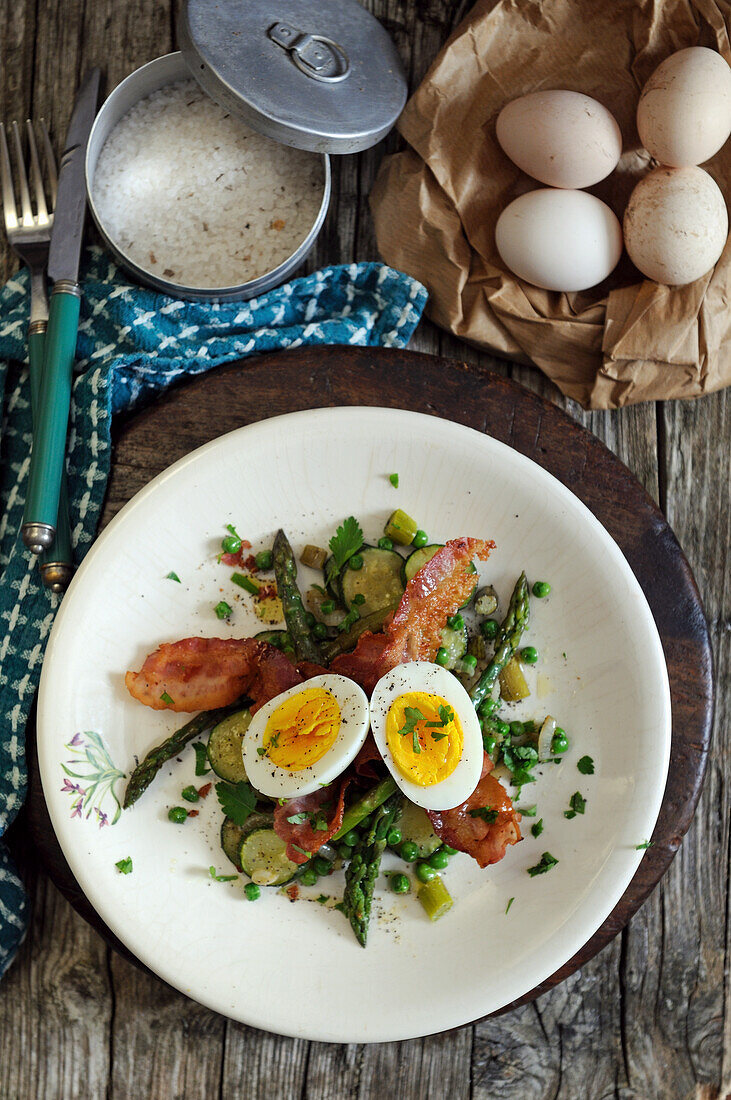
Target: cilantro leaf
[
  {"x": 124, "y": 866},
  {"x": 346, "y": 541},
  {"x": 237, "y": 801},
  {"x": 201, "y": 759},
  {"x": 546, "y": 862},
  {"x": 486, "y": 813},
  {"x": 298, "y": 819},
  {"x": 577, "y": 803},
  {"x": 585, "y": 765}
]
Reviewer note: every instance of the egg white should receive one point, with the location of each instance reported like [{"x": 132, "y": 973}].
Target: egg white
[
  {"x": 269, "y": 779},
  {"x": 428, "y": 677}
]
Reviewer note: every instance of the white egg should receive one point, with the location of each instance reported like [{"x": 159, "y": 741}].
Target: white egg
[
  {"x": 305, "y": 737},
  {"x": 684, "y": 113},
  {"x": 441, "y": 773},
  {"x": 559, "y": 239},
  {"x": 564, "y": 139}
]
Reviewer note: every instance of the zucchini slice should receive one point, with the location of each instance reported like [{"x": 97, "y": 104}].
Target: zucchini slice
[
  {"x": 455, "y": 643},
  {"x": 263, "y": 857},
  {"x": 232, "y": 834},
  {"x": 420, "y": 557},
  {"x": 278, "y": 638},
  {"x": 416, "y": 827},
  {"x": 380, "y": 581},
  {"x": 224, "y": 747}
]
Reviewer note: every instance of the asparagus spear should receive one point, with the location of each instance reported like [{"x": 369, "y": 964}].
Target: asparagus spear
[
  {"x": 507, "y": 641},
  {"x": 362, "y": 871},
  {"x": 285, "y": 574},
  {"x": 360, "y": 810},
  {"x": 145, "y": 772},
  {"x": 347, "y": 640}
]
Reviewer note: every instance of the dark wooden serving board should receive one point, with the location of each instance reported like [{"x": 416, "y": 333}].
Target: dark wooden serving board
[{"x": 305, "y": 378}]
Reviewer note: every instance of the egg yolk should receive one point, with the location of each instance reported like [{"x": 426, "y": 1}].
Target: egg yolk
[
  {"x": 421, "y": 719},
  {"x": 302, "y": 729}
]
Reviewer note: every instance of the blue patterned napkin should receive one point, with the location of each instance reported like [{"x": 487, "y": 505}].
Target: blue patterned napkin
[{"x": 133, "y": 344}]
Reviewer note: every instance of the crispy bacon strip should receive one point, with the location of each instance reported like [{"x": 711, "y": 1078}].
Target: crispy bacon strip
[
  {"x": 302, "y": 839},
  {"x": 484, "y": 841},
  {"x": 413, "y": 634},
  {"x": 205, "y": 673}
]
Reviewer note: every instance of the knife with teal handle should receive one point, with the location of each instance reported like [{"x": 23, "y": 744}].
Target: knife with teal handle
[{"x": 48, "y": 452}]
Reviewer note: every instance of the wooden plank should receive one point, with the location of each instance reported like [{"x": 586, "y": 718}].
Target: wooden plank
[{"x": 260, "y": 1066}]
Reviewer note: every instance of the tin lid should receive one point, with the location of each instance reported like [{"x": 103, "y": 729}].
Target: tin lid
[{"x": 317, "y": 74}]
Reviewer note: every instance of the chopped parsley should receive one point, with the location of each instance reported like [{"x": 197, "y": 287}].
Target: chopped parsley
[
  {"x": 350, "y": 620},
  {"x": 585, "y": 765},
  {"x": 298, "y": 819},
  {"x": 577, "y": 802},
  {"x": 223, "y": 610},
  {"x": 172, "y": 577},
  {"x": 528, "y": 811},
  {"x": 322, "y": 898},
  {"x": 486, "y": 813},
  {"x": 412, "y": 717},
  {"x": 546, "y": 862},
  {"x": 124, "y": 866},
  {"x": 237, "y": 801},
  {"x": 646, "y": 844},
  {"x": 507, "y": 907},
  {"x": 393, "y": 478},
  {"x": 220, "y": 878},
  {"x": 167, "y": 699},
  {"x": 537, "y": 829},
  {"x": 201, "y": 758},
  {"x": 346, "y": 541}
]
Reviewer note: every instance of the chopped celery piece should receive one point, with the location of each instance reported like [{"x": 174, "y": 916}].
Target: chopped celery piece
[
  {"x": 401, "y": 528},
  {"x": 435, "y": 897},
  {"x": 513, "y": 684}
]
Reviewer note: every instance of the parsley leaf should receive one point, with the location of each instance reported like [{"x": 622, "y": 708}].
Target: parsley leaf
[
  {"x": 486, "y": 813},
  {"x": 201, "y": 759},
  {"x": 298, "y": 819},
  {"x": 172, "y": 577},
  {"x": 507, "y": 909},
  {"x": 577, "y": 803},
  {"x": 586, "y": 765},
  {"x": 446, "y": 715},
  {"x": 346, "y": 541},
  {"x": 393, "y": 478},
  {"x": 537, "y": 829},
  {"x": 547, "y": 861},
  {"x": 647, "y": 844},
  {"x": 237, "y": 801},
  {"x": 322, "y": 898},
  {"x": 124, "y": 866},
  {"x": 220, "y": 878},
  {"x": 168, "y": 699}
]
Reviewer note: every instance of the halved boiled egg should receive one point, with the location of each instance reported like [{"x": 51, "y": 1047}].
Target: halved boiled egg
[
  {"x": 427, "y": 731},
  {"x": 305, "y": 737}
]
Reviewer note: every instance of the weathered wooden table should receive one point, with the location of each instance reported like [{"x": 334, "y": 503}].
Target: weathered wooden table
[{"x": 648, "y": 1017}]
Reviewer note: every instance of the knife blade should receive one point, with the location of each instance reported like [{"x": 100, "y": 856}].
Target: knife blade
[
  {"x": 68, "y": 217},
  {"x": 48, "y": 453}
]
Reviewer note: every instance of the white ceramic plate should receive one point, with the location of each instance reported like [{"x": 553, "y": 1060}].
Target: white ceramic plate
[{"x": 296, "y": 968}]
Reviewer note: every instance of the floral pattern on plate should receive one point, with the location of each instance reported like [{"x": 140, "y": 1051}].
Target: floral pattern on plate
[{"x": 95, "y": 777}]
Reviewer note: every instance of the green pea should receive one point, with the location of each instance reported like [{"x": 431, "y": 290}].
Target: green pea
[
  {"x": 502, "y": 728},
  {"x": 448, "y": 850},
  {"x": 351, "y": 838},
  {"x": 559, "y": 741},
  {"x": 488, "y": 706},
  {"x": 489, "y": 629},
  {"x": 442, "y": 657},
  {"x": 489, "y": 742},
  {"x": 231, "y": 544},
  {"x": 455, "y": 622},
  {"x": 345, "y": 851},
  {"x": 409, "y": 851},
  {"x": 394, "y": 838},
  {"x": 517, "y": 729},
  {"x": 356, "y": 562},
  {"x": 439, "y": 859},
  {"x": 469, "y": 661},
  {"x": 400, "y": 883},
  {"x": 420, "y": 539},
  {"x": 319, "y": 631},
  {"x": 541, "y": 589},
  {"x": 424, "y": 872},
  {"x": 322, "y": 865},
  {"x": 252, "y": 891},
  {"x": 529, "y": 654},
  {"x": 178, "y": 814},
  {"x": 309, "y": 877},
  {"x": 190, "y": 794},
  {"x": 359, "y": 599},
  {"x": 385, "y": 544},
  {"x": 310, "y": 619},
  {"x": 264, "y": 559}
]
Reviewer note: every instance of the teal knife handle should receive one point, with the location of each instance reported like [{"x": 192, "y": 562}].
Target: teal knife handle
[
  {"x": 56, "y": 563},
  {"x": 49, "y": 434}
]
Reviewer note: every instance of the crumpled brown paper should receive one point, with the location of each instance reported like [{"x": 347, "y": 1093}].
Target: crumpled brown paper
[{"x": 436, "y": 204}]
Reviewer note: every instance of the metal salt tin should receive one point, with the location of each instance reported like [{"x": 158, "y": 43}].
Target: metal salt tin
[{"x": 321, "y": 76}]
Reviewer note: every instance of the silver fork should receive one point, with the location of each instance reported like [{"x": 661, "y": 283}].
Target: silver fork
[{"x": 30, "y": 236}]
